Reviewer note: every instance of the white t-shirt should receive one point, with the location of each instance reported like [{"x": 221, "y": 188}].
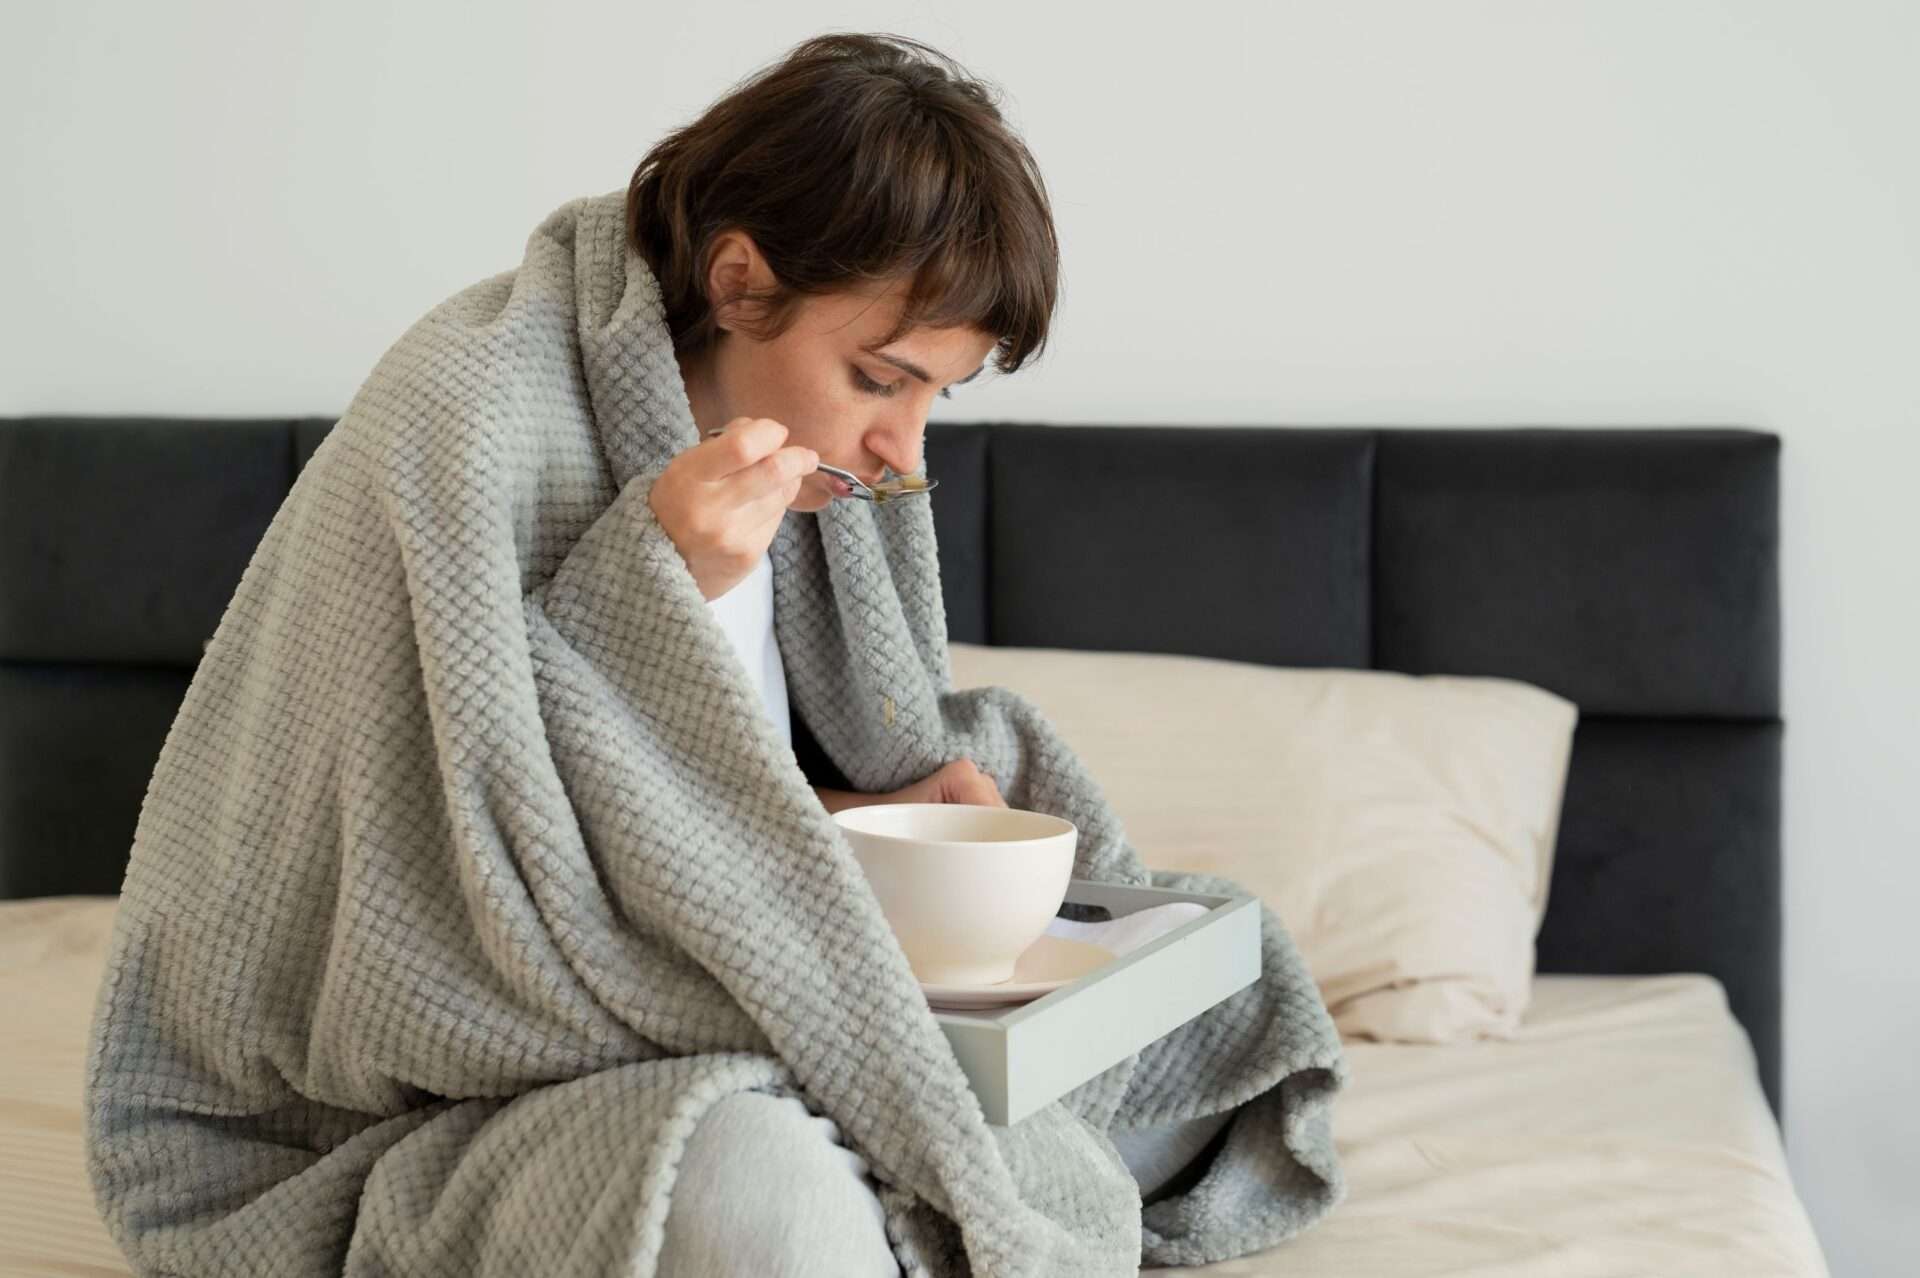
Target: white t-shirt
[{"x": 746, "y": 614}]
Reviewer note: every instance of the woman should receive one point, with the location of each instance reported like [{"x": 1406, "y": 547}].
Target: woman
[{"x": 816, "y": 318}]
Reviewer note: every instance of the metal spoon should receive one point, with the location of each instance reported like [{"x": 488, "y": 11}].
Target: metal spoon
[{"x": 885, "y": 490}]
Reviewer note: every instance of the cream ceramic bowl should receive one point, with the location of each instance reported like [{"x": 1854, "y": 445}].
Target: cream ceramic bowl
[{"x": 965, "y": 887}]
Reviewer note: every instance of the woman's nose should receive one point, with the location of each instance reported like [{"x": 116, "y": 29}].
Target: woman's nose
[{"x": 900, "y": 445}]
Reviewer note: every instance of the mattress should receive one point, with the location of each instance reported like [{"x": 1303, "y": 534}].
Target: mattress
[{"x": 1622, "y": 1132}]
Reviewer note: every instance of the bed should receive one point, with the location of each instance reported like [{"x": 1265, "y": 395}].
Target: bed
[
  {"x": 1630, "y": 1125},
  {"x": 1519, "y": 1157}
]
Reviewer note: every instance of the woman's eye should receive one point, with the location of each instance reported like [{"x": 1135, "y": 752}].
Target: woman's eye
[{"x": 884, "y": 390}]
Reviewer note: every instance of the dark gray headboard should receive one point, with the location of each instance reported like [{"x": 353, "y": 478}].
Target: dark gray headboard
[{"x": 1633, "y": 571}]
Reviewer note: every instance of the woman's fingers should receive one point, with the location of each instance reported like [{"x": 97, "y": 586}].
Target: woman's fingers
[
  {"x": 962, "y": 781},
  {"x": 748, "y": 459}
]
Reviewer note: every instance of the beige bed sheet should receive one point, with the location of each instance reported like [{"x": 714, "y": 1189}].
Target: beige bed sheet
[{"x": 1622, "y": 1133}]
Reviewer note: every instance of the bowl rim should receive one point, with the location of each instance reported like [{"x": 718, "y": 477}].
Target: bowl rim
[{"x": 1062, "y": 826}]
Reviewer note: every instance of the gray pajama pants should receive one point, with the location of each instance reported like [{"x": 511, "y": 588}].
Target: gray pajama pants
[{"x": 767, "y": 1189}]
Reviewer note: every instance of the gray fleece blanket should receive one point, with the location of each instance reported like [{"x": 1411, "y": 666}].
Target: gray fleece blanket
[{"x": 472, "y": 872}]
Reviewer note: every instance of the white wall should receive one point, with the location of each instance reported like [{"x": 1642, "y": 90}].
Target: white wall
[{"x": 1344, "y": 213}]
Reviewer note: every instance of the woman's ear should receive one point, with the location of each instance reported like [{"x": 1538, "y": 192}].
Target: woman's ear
[{"x": 735, "y": 270}]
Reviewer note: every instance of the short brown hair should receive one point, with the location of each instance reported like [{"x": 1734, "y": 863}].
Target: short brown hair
[{"x": 855, "y": 159}]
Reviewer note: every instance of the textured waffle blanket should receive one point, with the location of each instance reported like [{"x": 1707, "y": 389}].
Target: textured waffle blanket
[{"x": 472, "y": 871}]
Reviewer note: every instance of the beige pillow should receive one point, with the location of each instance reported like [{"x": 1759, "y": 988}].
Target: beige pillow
[{"x": 1401, "y": 826}]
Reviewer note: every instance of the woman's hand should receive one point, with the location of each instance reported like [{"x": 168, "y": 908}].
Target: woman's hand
[
  {"x": 958, "y": 782},
  {"x": 961, "y": 781},
  {"x": 722, "y": 500}
]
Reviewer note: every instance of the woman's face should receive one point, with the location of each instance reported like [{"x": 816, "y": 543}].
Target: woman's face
[{"x": 861, "y": 411}]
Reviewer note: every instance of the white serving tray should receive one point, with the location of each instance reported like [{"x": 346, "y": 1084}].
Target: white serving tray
[{"x": 1024, "y": 1057}]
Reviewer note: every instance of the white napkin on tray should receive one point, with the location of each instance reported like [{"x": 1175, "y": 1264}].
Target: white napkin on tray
[{"x": 1129, "y": 931}]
